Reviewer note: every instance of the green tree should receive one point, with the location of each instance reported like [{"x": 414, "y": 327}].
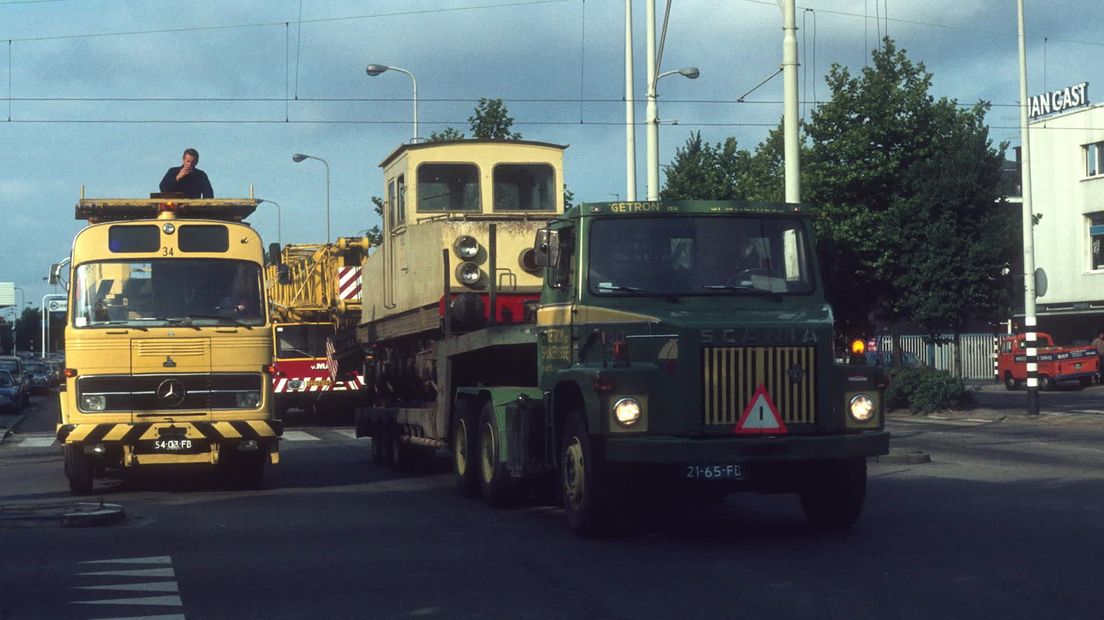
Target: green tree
[
  {"x": 723, "y": 171},
  {"x": 905, "y": 186},
  {"x": 28, "y": 329},
  {"x": 449, "y": 133},
  {"x": 491, "y": 120},
  {"x": 374, "y": 234}
]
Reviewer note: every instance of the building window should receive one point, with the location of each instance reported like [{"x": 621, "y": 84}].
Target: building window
[
  {"x": 1094, "y": 159},
  {"x": 1096, "y": 240}
]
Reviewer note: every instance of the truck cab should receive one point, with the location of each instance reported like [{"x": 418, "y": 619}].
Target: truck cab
[{"x": 694, "y": 338}]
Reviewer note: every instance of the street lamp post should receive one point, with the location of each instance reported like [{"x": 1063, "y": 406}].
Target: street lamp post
[
  {"x": 653, "y": 127},
  {"x": 1028, "y": 215},
  {"x": 16, "y": 313},
  {"x": 279, "y": 221},
  {"x": 374, "y": 70},
  {"x": 298, "y": 157}
]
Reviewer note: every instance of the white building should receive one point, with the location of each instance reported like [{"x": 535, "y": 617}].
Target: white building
[{"x": 1067, "y": 176}]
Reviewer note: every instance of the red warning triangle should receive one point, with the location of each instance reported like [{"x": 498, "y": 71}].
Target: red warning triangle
[{"x": 761, "y": 416}]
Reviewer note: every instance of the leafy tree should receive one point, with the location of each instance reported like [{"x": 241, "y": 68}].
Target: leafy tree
[
  {"x": 374, "y": 234},
  {"x": 723, "y": 171},
  {"x": 491, "y": 120},
  {"x": 906, "y": 188},
  {"x": 28, "y": 328},
  {"x": 449, "y": 133}
]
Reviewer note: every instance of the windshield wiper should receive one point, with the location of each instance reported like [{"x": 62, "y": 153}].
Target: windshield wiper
[
  {"x": 187, "y": 320},
  {"x": 294, "y": 350},
  {"x": 744, "y": 288},
  {"x": 116, "y": 323},
  {"x": 621, "y": 287}
]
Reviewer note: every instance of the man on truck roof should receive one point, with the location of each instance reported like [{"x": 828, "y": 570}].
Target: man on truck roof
[{"x": 186, "y": 179}]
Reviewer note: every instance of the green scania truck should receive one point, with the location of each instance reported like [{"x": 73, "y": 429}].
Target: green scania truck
[{"x": 685, "y": 348}]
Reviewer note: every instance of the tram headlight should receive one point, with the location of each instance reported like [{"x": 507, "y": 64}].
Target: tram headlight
[
  {"x": 93, "y": 402},
  {"x": 249, "y": 400},
  {"x": 468, "y": 274},
  {"x": 466, "y": 247},
  {"x": 626, "y": 411},
  {"x": 861, "y": 407}
]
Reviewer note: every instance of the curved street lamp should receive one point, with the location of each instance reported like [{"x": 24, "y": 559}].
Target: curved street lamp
[
  {"x": 652, "y": 127},
  {"x": 298, "y": 157},
  {"x": 373, "y": 70}
]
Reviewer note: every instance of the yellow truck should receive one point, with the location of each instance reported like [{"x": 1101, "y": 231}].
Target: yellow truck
[{"x": 168, "y": 341}]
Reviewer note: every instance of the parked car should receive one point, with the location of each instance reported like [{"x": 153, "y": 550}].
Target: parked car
[
  {"x": 11, "y": 397},
  {"x": 14, "y": 365},
  {"x": 42, "y": 376}
]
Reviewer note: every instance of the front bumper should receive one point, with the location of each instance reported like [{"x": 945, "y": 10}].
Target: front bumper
[
  {"x": 682, "y": 450},
  {"x": 132, "y": 441}
]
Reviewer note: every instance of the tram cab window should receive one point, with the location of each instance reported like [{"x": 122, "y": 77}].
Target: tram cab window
[
  {"x": 524, "y": 187},
  {"x": 448, "y": 187}
]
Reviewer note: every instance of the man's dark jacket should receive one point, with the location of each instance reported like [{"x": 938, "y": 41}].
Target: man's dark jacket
[{"x": 195, "y": 185}]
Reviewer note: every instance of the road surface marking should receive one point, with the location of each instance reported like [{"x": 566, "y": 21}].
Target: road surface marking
[
  {"x": 164, "y": 601},
  {"x": 299, "y": 436},
  {"x": 347, "y": 432},
  {"x": 36, "y": 441},
  {"x": 155, "y": 559},
  {"x": 152, "y": 586}
]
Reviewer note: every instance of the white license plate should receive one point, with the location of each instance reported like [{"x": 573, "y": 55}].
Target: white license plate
[
  {"x": 172, "y": 445},
  {"x": 712, "y": 472}
]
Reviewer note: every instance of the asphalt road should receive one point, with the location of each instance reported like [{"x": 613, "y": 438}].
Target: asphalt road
[{"x": 1001, "y": 524}]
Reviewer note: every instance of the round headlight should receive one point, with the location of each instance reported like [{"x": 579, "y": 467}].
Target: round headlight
[
  {"x": 169, "y": 229},
  {"x": 249, "y": 400},
  {"x": 862, "y": 408},
  {"x": 626, "y": 411},
  {"x": 466, "y": 247},
  {"x": 468, "y": 274},
  {"x": 527, "y": 260},
  {"x": 93, "y": 402}
]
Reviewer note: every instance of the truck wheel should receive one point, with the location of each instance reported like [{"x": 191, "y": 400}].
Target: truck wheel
[
  {"x": 399, "y": 453},
  {"x": 833, "y": 494},
  {"x": 588, "y": 510},
  {"x": 377, "y": 448},
  {"x": 78, "y": 469},
  {"x": 464, "y": 448},
  {"x": 1010, "y": 382},
  {"x": 250, "y": 469},
  {"x": 494, "y": 479},
  {"x": 1046, "y": 383}
]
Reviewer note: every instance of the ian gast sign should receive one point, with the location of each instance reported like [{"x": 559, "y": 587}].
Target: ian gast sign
[{"x": 1058, "y": 100}]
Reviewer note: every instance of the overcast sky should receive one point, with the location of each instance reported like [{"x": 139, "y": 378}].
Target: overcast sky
[{"x": 107, "y": 93}]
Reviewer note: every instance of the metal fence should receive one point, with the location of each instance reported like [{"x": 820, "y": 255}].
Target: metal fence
[{"x": 977, "y": 352}]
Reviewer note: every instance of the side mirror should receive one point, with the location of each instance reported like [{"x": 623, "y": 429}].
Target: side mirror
[
  {"x": 55, "y": 273},
  {"x": 274, "y": 253},
  {"x": 283, "y": 274},
  {"x": 546, "y": 248}
]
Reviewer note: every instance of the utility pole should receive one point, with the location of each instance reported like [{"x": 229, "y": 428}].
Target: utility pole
[
  {"x": 790, "y": 122},
  {"x": 630, "y": 110},
  {"x": 1030, "y": 329}
]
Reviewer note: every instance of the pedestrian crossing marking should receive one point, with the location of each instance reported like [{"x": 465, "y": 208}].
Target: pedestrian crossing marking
[
  {"x": 165, "y": 593},
  {"x": 40, "y": 441},
  {"x": 347, "y": 432},
  {"x": 299, "y": 436},
  {"x": 163, "y": 617},
  {"x": 156, "y": 559},
  {"x": 144, "y": 572},
  {"x": 172, "y": 600},
  {"x": 153, "y": 586}
]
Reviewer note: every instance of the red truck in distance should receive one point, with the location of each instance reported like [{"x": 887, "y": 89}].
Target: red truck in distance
[{"x": 1056, "y": 364}]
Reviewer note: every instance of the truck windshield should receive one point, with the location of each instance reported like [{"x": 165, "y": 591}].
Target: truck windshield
[
  {"x": 298, "y": 341},
  {"x": 161, "y": 292},
  {"x": 699, "y": 255}
]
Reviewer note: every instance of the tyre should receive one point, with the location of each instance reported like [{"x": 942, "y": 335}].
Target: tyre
[
  {"x": 377, "y": 449},
  {"x": 78, "y": 469},
  {"x": 400, "y": 457},
  {"x": 1010, "y": 382},
  {"x": 464, "y": 448},
  {"x": 1046, "y": 383},
  {"x": 585, "y": 505},
  {"x": 1085, "y": 381},
  {"x": 494, "y": 478},
  {"x": 833, "y": 494}
]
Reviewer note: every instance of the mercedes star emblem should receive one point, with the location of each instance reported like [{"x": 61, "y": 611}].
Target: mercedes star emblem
[{"x": 171, "y": 393}]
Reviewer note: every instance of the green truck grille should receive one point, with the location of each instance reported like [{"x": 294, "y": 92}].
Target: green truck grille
[{"x": 730, "y": 376}]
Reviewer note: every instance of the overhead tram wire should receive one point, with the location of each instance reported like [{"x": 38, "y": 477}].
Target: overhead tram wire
[{"x": 318, "y": 20}]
